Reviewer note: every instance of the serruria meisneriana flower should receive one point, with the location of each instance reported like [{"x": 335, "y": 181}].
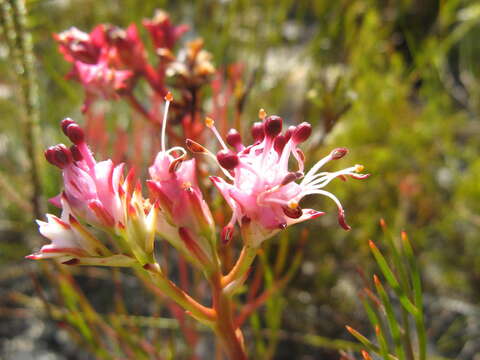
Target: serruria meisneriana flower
[{"x": 261, "y": 188}]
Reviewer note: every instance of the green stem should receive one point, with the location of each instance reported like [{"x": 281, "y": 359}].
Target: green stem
[
  {"x": 23, "y": 49},
  {"x": 198, "y": 311},
  {"x": 241, "y": 267}
]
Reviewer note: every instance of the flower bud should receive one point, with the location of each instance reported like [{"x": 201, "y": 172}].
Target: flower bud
[
  {"x": 338, "y": 153},
  {"x": 279, "y": 143},
  {"x": 302, "y": 132},
  {"x": 227, "y": 159},
  {"x": 65, "y": 123},
  {"x": 258, "y": 131},
  {"x": 59, "y": 155},
  {"x": 75, "y": 133},
  {"x": 234, "y": 139},
  {"x": 273, "y": 125},
  {"x": 289, "y": 132}
]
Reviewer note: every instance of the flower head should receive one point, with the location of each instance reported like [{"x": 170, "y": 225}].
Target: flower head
[
  {"x": 185, "y": 219},
  {"x": 261, "y": 188},
  {"x": 101, "y": 81}
]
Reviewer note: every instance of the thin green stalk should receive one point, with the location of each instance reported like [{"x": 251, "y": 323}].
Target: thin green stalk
[{"x": 14, "y": 18}]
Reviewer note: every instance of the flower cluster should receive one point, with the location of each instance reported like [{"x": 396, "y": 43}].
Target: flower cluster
[
  {"x": 109, "y": 60},
  {"x": 260, "y": 186}
]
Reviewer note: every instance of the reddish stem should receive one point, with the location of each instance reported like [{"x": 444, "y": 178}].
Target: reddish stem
[{"x": 229, "y": 334}]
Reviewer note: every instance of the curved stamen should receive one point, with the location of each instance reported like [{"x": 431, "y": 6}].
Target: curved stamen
[{"x": 322, "y": 181}]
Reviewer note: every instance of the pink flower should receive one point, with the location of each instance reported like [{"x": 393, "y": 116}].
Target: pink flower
[
  {"x": 76, "y": 45},
  {"x": 163, "y": 33},
  {"x": 73, "y": 244},
  {"x": 262, "y": 190},
  {"x": 101, "y": 81},
  {"x": 127, "y": 48},
  {"x": 185, "y": 219},
  {"x": 91, "y": 188}
]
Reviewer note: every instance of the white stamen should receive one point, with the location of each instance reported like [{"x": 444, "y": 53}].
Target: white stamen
[
  {"x": 164, "y": 124},
  {"x": 322, "y": 192},
  {"x": 316, "y": 167},
  {"x": 211, "y": 124}
]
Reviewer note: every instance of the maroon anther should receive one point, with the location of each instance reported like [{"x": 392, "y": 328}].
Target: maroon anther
[
  {"x": 302, "y": 132},
  {"x": 234, "y": 139},
  {"x": 65, "y": 123},
  {"x": 258, "y": 131},
  {"x": 227, "y": 159},
  {"x": 338, "y": 153},
  {"x": 273, "y": 125},
  {"x": 279, "y": 143},
  {"x": 76, "y": 154},
  {"x": 291, "y": 177},
  {"x": 75, "y": 133},
  {"x": 59, "y": 155}
]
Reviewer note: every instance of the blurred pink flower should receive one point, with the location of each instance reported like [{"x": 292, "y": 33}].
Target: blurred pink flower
[
  {"x": 163, "y": 33},
  {"x": 76, "y": 45},
  {"x": 101, "y": 81}
]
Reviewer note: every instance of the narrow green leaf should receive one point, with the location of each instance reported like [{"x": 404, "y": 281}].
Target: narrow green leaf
[
  {"x": 392, "y": 321},
  {"x": 393, "y": 282}
]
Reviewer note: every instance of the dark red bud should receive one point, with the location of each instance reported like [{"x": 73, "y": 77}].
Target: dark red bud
[
  {"x": 279, "y": 143},
  {"x": 338, "y": 153},
  {"x": 227, "y": 159},
  {"x": 233, "y": 138},
  {"x": 76, "y": 154},
  {"x": 258, "y": 131},
  {"x": 75, "y": 134},
  {"x": 292, "y": 213},
  {"x": 302, "y": 132},
  {"x": 59, "y": 155},
  {"x": 290, "y": 131},
  {"x": 273, "y": 125},
  {"x": 65, "y": 123}
]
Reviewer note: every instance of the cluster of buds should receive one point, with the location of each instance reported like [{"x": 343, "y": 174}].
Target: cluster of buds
[
  {"x": 109, "y": 60},
  {"x": 97, "y": 195},
  {"x": 261, "y": 189}
]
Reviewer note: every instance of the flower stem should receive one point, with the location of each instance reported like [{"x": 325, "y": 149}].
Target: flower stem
[
  {"x": 198, "y": 311},
  {"x": 241, "y": 267},
  {"x": 230, "y": 335}
]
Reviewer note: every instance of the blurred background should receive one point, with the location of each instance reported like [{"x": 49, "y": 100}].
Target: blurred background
[{"x": 395, "y": 81}]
